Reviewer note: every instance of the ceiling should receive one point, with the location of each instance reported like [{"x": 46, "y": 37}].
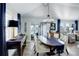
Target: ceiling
[{"x": 64, "y": 11}]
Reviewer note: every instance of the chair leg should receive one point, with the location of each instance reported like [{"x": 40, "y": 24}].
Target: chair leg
[
  {"x": 59, "y": 54},
  {"x": 34, "y": 52},
  {"x": 67, "y": 52},
  {"x": 37, "y": 54}
]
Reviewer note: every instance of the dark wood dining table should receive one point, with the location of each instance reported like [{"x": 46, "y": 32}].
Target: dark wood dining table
[{"x": 54, "y": 44}]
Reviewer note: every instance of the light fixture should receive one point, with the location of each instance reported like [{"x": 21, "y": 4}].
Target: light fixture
[
  {"x": 13, "y": 23},
  {"x": 48, "y": 11}
]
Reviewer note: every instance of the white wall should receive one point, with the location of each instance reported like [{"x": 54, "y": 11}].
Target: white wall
[
  {"x": 64, "y": 25},
  {"x": 28, "y": 27}
]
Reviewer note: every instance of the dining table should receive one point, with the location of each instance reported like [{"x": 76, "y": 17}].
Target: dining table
[{"x": 54, "y": 44}]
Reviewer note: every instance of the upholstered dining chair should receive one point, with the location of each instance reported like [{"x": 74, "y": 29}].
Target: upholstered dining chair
[
  {"x": 64, "y": 38},
  {"x": 40, "y": 47},
  {"x": 66, "y": 44},
  {"x": 71, "y": 38},
  {"x": 56, "y": 35}
]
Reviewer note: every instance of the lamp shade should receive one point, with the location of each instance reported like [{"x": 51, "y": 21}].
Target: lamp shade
[{"x": 13, "y": 23}]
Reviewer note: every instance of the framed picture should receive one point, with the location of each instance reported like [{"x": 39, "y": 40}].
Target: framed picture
[{"x": 53, "y": 26}]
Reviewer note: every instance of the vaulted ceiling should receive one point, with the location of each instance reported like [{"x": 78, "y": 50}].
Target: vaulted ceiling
[{"x": 67, "y": 11}]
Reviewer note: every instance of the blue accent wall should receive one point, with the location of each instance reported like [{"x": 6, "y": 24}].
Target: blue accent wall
[
  {"x": 3, "y": 50},
  {"x": 58, "y": 25},
  {"x": 76, "y": 24}
]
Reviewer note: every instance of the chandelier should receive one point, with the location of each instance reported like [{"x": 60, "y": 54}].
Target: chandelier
[{"x": 48, "y": 11}]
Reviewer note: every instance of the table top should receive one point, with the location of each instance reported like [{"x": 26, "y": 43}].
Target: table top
[
  {"x": 13, "y": 43},
  {"x": 17, "y": 39},
  {"x": 51, "y": 41}
]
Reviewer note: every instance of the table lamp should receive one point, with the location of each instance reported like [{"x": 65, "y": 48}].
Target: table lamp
[{"x": 13, "y": 24}]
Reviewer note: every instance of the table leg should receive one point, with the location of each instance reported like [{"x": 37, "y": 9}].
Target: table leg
[
  {"x": 51, "y": 51},
  {"x": 19, "y": 49}
]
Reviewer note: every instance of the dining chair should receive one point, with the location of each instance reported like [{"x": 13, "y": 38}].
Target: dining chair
[
  {"x": 56, "y": 35},
  {"x": 64, "y": 38},
  {"x": 40, "y": 47},
  {"x": 71, "y": 38}
]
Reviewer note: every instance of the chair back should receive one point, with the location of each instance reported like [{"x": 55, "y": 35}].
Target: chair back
[
  {"x": 56, "y": 35},
  {"x": 65, "y": 39}
]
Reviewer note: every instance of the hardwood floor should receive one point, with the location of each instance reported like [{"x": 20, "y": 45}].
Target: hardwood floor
[
  {"x": 29, "y": 49},
  {"x": 73, "y": 50}
]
